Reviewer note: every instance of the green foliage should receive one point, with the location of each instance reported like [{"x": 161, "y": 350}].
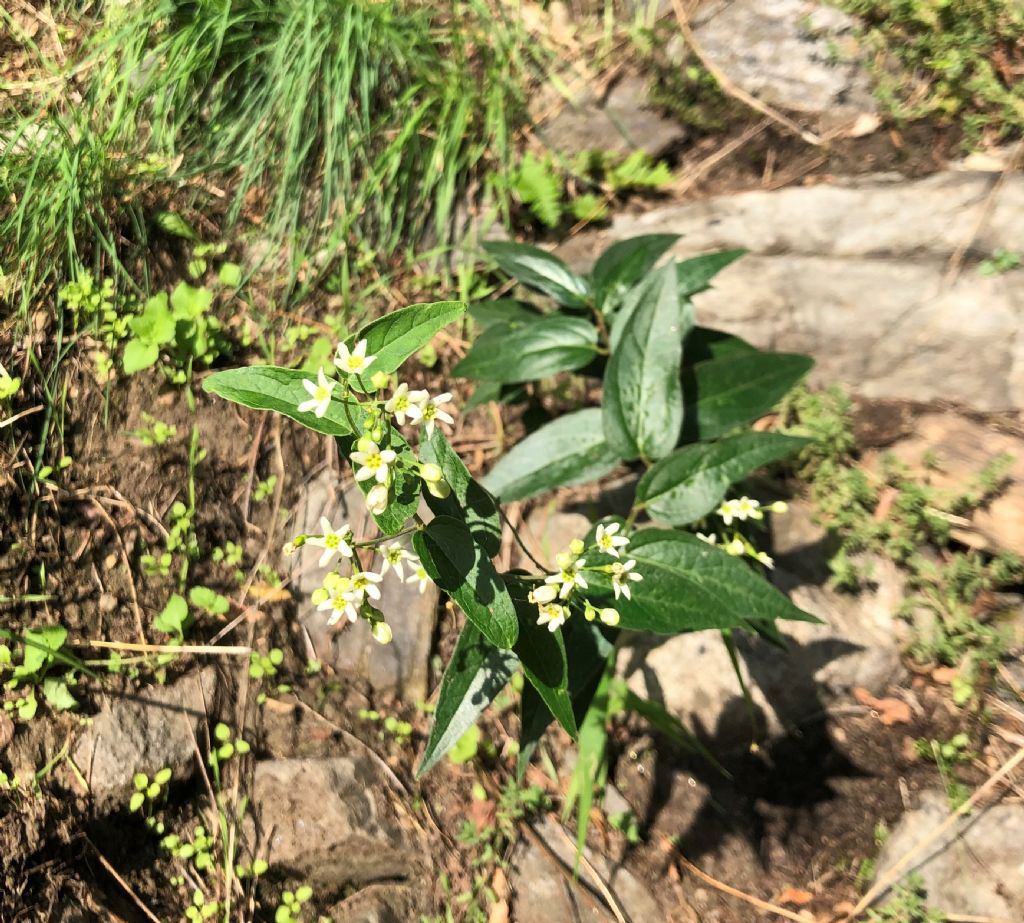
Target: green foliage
[
  {"x": 954, "y": 60},
  {"x": 42, "y": 653},
  {"x": 156, "y": 432},
  {"x": 907, "y": 905},
  {"x": 1002, "y": 260}
]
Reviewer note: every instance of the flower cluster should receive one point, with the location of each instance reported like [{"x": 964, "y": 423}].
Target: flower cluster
[
  {"x": 554, "y": 597},
  {"x": 742, "y": 509}
]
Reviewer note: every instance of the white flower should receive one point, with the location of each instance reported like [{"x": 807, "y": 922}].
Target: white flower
[
  {"x": 735, "y": 547},
  {"x": 744, "y": 508},
  {"x": 711, "y": 539},
  {"x": 420, "y": 576},
  {"x": 340, "y": 604},
  {"x": 355, "y": 362},
  {"x": 622, "y": 576},
  {"x": 553, "y": 615},
  {"x": 430, "y": 411},
  {"x": 392, "y": 558},
  {"x": 320, "y": 394},
  {"x": 766, "y": 559},
  {"x": 377, "y": 499},
  {"x": 608, "y": 541},
  {"x": 404, "y": 403},
  {"x": 569, "y": 577},
  {"x": 545, "y": 593},
  {"x": 363, "y": 583},
  {"x": 333, "y": 541},
  {"x": 374, "y": 461}
]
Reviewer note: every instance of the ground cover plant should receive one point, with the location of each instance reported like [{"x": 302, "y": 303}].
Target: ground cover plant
[{"x": 676, "y": 397}]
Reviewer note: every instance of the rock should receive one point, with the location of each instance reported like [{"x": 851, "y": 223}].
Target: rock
[
  {"x": 789, "y": 53},
  {"x": 961, "y": 449},
  {"x": 547, "y": 531},
  {"x": 541, "y": 895},
  {"x": 855, "y": 274},
  {"x": 400, "y": 667},
  {"x": 975, "y": 870},
  {"x": 153, "y": 728},
  {"x": 331, "y": 823},
  {"x": 620, "y": 123}
]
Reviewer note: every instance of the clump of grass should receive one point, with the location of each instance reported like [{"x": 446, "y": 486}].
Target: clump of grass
[
  {"x": 955, "y": 60},
  {"x": 325, "y": 123}
]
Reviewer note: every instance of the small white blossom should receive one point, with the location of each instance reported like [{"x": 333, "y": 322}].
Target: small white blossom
[
  {"x": 622, "y": 575},
  {"x": 392, "y": 558},
  {"x": 568, "y": 578},
  {"x": 743, "y": 508},
  {"x": 419, "y": 576},
  {"x": 333, "y": 541},
  {"x": 608, "y": 541},
  {"x": 320, "y": 394},
  {"x": 764, "y": 558},
  {"x": 363, "y": 583},
  {"x": 340, "y": 605},
  {"x": 736, "y": 547},
  {"x": 430, "y": 411},
  {"x": 374, "y": 461},
  {"x": 711, "y": 539},
  {"x": 355, "y": 362},
  {"x": 553, "y": 615},
  {"x": 405, "y": 403},
  {"x": 545, "y": 593},
  {"x": 377, "y": 499}
]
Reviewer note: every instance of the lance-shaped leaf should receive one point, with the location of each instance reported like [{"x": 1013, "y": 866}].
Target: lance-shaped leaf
[
  {"x": 524, "y": 352},
  {"x": 695, "y": 275},
  {"x": 468, "y": 500},
  {"x": 643, "y": 400},
  {"x": 625, "y": 263},
  {"x": 394, "y": 337},
  {"x": 476, "y": 673},
  {"x": 704, "y": 343},
  {"x": 503, "y": 311},
  {"x": 540, "y": 270},
  {"x": 569, "y": 450},
  {"x": 689, "y": 585},
  {"x": 734, "y": 390},
  {"x": 265, "y": 387},
  {"x": 464, "y": 571},
  {"x": 691, "y": 482}
]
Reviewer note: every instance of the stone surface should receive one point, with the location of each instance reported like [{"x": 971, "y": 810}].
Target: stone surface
[
  {"x": 858, "y": 644},
  {"x": 542, "y": 895},
  {"x": 547, "y": 531},
  {"x": 330, "y": 822},
  {"x": 143, "y": 732},
  {"x": 622, "y": 122},
  {"x": 962, "y": 448},
  {"x": 789, "y": 53},
  {"x": 977, "y": 869},
  {"x": 400, "y": 667},
  {"x": 855, "y": 274}
]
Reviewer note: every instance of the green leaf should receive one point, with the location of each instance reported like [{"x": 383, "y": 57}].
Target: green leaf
[
  {"x": 626, "y": 263},
  {"x": 540, "y": 270},
  {"x": 405, "y": 484},
  {"x": 139, "y": 355},
  {"x": 695, "y": 275},
  {"x": 512, "y": 353},
  {"x": 394, "y": 337},
  {"x": 537, "y": 185},
  {"x": 463, "y": 570},
  {"x": 736, "y": 389},
  {"x": 189, "y": 302},
  {"x": 468, "y": 500},
  {"x": 267, "y": 387},
  {"x": 40, "y": 646},
  {"x": 476, "y": 673},
  {"x": 542, "y": 654},
  {"x": 173, "y": 223},
  {"x": 208, "y": 599},
  {"x": 569, "y": 450},
  {"x": 174, "y": 618},
  {"x": 689, "y": 585},
  {"x": 155, "y": 323},
  {"x": 704, "y": 343},
  {"x": 688, "y": 484},
  {"x": 230, "y": 274},
  {"x": 643, "y": 400},
  {"x": 57, "y": 694},
  {"x": 503, "y": 311}
]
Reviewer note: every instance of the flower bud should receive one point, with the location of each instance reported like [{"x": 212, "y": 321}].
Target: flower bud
[
  {"x": 381, "y": 632},
  {"x": 366, "y": 444},
  {"x": 589, "y": 612},
  {"x": 295, "y": 544},
  {"x": 440, "y": 489},
  {"x": 779, "y": 506},
  {"x": 610, "y": 616},
  {"x": 377, "y": 499},
  {"x": 380, "y": 380},
  {"x": 545, "y": 593},
  {"x": 376, "y": 434},
  {"x": 576, "y": 546},
  {"x": 319, "y": 595},
  {"x": 431, "y": 472}
]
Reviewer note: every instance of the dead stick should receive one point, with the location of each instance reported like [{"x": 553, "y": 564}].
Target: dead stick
[{"x": 124, "y": 884}]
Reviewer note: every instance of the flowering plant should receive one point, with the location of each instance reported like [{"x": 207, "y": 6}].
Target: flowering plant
[{"x": 675, "y": 398}]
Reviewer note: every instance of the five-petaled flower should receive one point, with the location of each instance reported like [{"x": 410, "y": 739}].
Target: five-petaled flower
[
  {"x": 608, "y": 540},
  {"x": 320, "y": 394},
  {"x": 355, "y": 362},
  {"x": 553, "y": 615},
  {"x": 622, "y": 575},
  {"x": 430, "y": 411},
  {"x": 364, "y": 583},
  {"x": 569, "y": 577},
  {"x": 419, "y": 576},
  {"x": 373, "y": 461},
  {"x": 393, "y": 556},
  {"x": 333, "y": 541},
  {"x": 405, "y": 403}
]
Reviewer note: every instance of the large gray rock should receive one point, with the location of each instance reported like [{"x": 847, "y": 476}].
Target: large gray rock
[
  {"x": 399, "y": 667},
  {"x": 789, "y": 53},
  {"x": 976, "y": 869},
  {"x": 143, "y": 732},
  {"x": 855, "y": 274},
  {"x": 331, "y": 823}
]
